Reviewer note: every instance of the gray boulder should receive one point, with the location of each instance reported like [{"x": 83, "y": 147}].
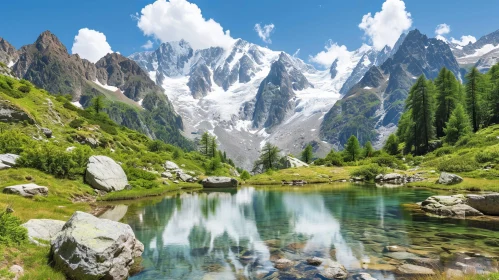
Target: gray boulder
[
  {"x": 449, "y": 206},
  {"x": 170, "y": 165},
  {"x": 185, "y": 177},
  {"x": 333, "y": 270},
  {"x": 167, "y": 175},
  {"x": 220, "y": 182},
  {"x": 414, "y": 270},
  {"x": 26, "y": 190},
  {"x": 4, "y": 166},
  {"x": 449, "y": 179},
  {"x": 93, "y": 248},
  {"x": 485, "y": 203},
  {"x": 116, "y": 213},
  {"x": 9, "y": 159},
  {"x": 292, "y": 162},
  {"x": 105, "y": 174},
  {"x": 43, "y": 229},
  {"x": 47, "y": 132}
]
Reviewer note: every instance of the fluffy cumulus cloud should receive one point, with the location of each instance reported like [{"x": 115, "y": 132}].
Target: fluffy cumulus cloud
[
  {"x": 386, "y": 26},
  {"x": 91, "y": 45},
  {"x": 175, "y": 20},
  {"x": 442, "y": 29},
  {"x": 148, "y": 45},
  {"x": 332, "y": 52},
  {"x": 264, "y": 32},
  {"x": 465, "y": 40}
]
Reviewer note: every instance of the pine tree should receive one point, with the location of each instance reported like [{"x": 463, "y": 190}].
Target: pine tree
[
  {"x": 474, "y": 94},
  {"x": 392, "y": 145},
  {"x": 493, "y": 95},
  {"x": 368, "y": 149},
  {"x": 421, "y": 102},
  {"x": 405, "y": 131},
  {"x": 458, "y": 125},
  {"x": 213, "y": 146},
  {"x": 352, "y": 148},
  {"x": 269, "y": 158},
  {"x": 307, "y": 154},
  {"x": 446, "y": 98},
  {"x": 97, "y": 104},
  {"x": 204, "y": 144}
]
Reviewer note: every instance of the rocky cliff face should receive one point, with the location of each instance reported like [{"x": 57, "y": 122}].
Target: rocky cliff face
[
  {"x": 371, "y": 109},
  {"x": 483, "y": 54},
  {"x": 8, "y": 54}
]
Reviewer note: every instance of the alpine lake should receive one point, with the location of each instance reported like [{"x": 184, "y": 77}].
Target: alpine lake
[{"x": 240, "y": 234}]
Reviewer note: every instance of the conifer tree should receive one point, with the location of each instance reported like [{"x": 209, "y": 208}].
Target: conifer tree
[
  {"x": 368, "y": 149},
  {"x": 97, "y": 104},
  {"x": 493, "y": 95},
  {"x": 421, "y": 101},
  {"x": 458, "y": 125},
  {"x": 446, "y": 98},
  {"x": 213, "y": 146},
  {"x": 352, "y": 148},
  {"x": 392, "y": 145},
  {"x": 204, "y": 144},
  {"x": 474, "y": 94},
  {"x": 269, "y": 158},
  {"x": 307, "y": 154}
]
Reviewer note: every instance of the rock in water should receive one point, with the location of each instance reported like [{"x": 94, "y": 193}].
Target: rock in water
[
  {"x": 410, "y": 269},
  {"x": 43, "y": 229},
  {"x": 449, "y": 179},
  {"x": 485, "y": 203},
  {"x": 334, "y": 270},
  {"x": 93, "y": 248},
  {"x": 105, "y": 174},
  {"x": 449, "y": 206},
  {"x": 27, "y": 190},
  {"x": 220, "y": 182},
  {"x": 9, "y": 159}
]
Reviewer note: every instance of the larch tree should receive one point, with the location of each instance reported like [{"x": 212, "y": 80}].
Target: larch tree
[
  {"x": 421, "y": 101},
  {"x": 368, "y": 149},
  {"x": 474, "y": 94},
  {"x": 458, "y": 125},
  {"x": 392, "y": 145},
  {"x": 307, "y": 154},
  {"x": 352, "y": 148},
  {"x": 446, "y": 99}
]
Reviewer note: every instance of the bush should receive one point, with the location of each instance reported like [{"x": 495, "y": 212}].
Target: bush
[
  {"x": 76, "y": 123},
  {"x": 458, "y": 164},
  {"x": 487, "y": 156},
  {"x": 54, "y": 159},
  {"x": 11, "y": 231},
  {"x": 13, "y": 141},
  {"x": 135, "y": 174},
  {"x": 389, "y": 161},
  {"x": 245, "y": 175},
  {"x": 368, "y": 172},
  {"x": 24, "y": 89},
  {"x": 444, "y": 151},
  {"x": 145, "y": 184}
]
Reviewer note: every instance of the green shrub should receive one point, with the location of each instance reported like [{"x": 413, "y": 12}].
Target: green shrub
[
  {"x": 444, "y": 151},
  {"x": 245, "y": 175},
  {"x": 134, "y": 174},
  {"x": 13, "y": 141},
  {"x": 487, "y": 156},
  {"x": 76, "y": 123},
  {"x": 458, "y": 164},
  {"x": 11, "y": 231},
  {"x": 368, "y": 172},
  {"x": 145, "y": 184},
  {"x": 389, "y": 161},
  {"x": 24, "y": 89}
]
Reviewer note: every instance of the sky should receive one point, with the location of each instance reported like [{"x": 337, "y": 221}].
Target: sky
[{"x": 317, "y": 31}]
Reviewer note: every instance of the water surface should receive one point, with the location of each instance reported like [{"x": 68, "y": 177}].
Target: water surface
[{"x": 238, "y": 234}]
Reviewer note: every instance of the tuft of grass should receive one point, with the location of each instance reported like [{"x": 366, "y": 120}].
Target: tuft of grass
[
  {"x": 137, "y": 193},
  {"x": 312, "y": 174}
]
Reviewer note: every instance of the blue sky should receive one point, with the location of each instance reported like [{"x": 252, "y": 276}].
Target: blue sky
[{"x": 304, "y": 25}]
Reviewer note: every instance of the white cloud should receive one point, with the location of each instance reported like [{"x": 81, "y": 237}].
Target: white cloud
[
  {"x": 175, "y": 20},
  {"x": 264, "y": 33},
  {"x": 442, "y": 29},
  {"x": 386, "y": 26},
  {"x": 465, "y": 40},
  {"x": 441, "y": 38},
  {"x": 148, "y": 45},
  {"x": 333, "y": 51},
  {"x": 91, "y": 45}
]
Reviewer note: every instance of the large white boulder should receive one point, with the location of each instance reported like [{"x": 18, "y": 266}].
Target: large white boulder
[
  {"x": 170, "y": 166},
  {"x": 26, "y": 190},
  {"x": 104, "y": 174},
  {"x": 220, "y": 182},
  {"x": 449, "y": 179},
  {"x": 449, "y": 206},
  {"x": 93, "y": 248},
  {"x": 43, "y": 229},
  {"x": 485, "y": 203},
  {"x": 9, "y": 159},
  {"x": 292, "y": 162}
]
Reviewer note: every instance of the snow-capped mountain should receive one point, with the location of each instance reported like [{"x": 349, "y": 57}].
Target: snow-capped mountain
[
  {"x": 483, "y": 54},
  {"x": 248, "y": 94}
]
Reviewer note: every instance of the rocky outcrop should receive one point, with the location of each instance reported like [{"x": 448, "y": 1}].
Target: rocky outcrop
[
  {"x": 171, "y": 166},
  {"x": 8, "y": 53},
  {"x": 104, "y": 174},
  {"x": 220, "y": 182},
  {"x": 333, "y": 270},
  {"x": 26, "y": 190},
  {"x": 93, "y": 248},
  {"x": 9, "y": 159},
  {"x": 291, "y": 162},
  {"x": 449, "y": 206},
  {"x": 488, "y": 204},
  {"x": 11, "y": 114},
  {"x": 43, "y": 229},
  {"x": 449, "y": 179}
]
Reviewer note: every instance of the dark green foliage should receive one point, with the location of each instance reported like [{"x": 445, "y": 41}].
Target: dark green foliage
[
  {"x": 475, "y": 88},
  {"x": 145, "y": 184},
  {"x": 458, "y": 164},
  {"x": 392, "y": 145},
  {"x": 352, "y": 149},
  {"x": 134, "y": 174},
  {"x": 487, "y": 156},
  {"x": 458, "y": 125},
  {"x": 446, "y": 99},
  {"x": 269, "y": 158},
  {"x": 76, "y": 123},
  {"x": 205, "y": 144},
  {"x": 213, "y": 165},
  {"x": 11, "y": 231},
  {"x": 24, "y": 89},
  {"x": 368, "y": 172},
  {"x": 334, "y": 158},
  {"x": 13, "y": 141},
  {"x": 54, "y": 159},
  {"x": 444, "y": 151},
  {"x": 307, "y": 154},
  {"x": 245, "y": 175},
  {"x": 389, "y": 161},
  {"x": 421, "y": 101},
  {"x": 177, "y": 153}
]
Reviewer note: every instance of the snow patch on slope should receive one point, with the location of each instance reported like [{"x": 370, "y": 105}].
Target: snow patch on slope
[{"x": 110, "y": 88}]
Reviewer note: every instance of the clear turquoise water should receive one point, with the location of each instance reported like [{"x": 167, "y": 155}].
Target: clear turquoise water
[{"x": 237, "y": 235}]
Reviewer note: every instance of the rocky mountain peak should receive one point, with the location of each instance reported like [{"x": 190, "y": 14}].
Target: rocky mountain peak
[
  {"x": 8, "y": 53},
  {"x": 47, "y": 41}
]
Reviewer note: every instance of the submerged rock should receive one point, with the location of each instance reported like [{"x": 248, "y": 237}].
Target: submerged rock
[
  {"x": 104, "y": 174},
  {"x": 220, "y": 182},
  {"x": 27, "y": 190},
  {"x": 333, "y": 270},
  {"x": 93, "y": 248},
  {"x": 43, "y": 229},
  {"x": 449, "y": 179},
  {"x": 363, "y": 276},
  {"x": 449, "y": 206},
  {"x": 283, "y": 263},
  {"x": 410, "y": 269}
]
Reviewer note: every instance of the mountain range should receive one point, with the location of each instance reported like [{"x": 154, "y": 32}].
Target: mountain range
[{"x": 247, "y": 94}]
